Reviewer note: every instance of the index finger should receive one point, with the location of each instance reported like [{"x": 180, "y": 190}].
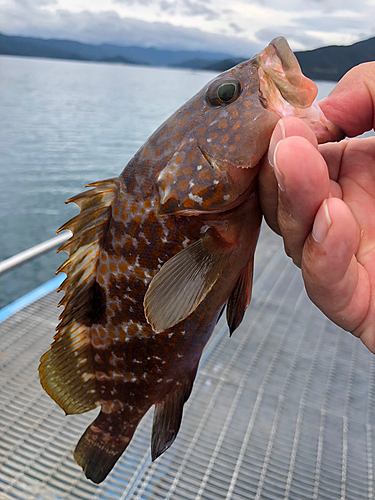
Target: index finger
[{"x": 351, "y": 104}]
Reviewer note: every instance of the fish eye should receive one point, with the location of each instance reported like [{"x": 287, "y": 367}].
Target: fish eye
[{"x": 222, "y": 92}]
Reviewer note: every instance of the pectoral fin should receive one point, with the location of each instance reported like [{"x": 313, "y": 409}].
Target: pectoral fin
[
  {"x": 168, "y": 416},
  {"x": 184, "y": 281},
  {"x": 240, "y": 297}
]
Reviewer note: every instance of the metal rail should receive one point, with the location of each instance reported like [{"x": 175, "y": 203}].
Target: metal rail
[{"x": 22, "y": 257}]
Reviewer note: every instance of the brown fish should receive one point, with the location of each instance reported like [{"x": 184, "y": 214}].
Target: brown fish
[{"x": 157, "y": 252}]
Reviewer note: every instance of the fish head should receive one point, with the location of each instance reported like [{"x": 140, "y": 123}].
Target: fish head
[{"x": 225, "y": 130}]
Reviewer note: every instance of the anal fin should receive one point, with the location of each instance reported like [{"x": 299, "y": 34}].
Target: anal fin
[
  {"x": 240, "y": 297},
  {"x": 168, "y": 416}
]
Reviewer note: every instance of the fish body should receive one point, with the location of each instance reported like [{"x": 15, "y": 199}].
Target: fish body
[{"x": 156, "y": 254}]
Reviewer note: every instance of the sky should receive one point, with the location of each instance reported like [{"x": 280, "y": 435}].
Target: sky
[{"x": 236, "y": 27}]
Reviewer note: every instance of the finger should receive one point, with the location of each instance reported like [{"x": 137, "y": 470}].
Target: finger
[
  {"x": 303, "y": 185},
  {"x": 351, "y": 104},
  {"x": 267, "y": 183},
  {"x": 334, "y": 280}
]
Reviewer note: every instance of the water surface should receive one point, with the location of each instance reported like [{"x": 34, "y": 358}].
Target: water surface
[{"x": 65, "y": 124}]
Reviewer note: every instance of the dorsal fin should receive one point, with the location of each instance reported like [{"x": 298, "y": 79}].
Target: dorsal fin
[
  {"x": 66, "y": 370},
  {"x": 168, "y": 415}
]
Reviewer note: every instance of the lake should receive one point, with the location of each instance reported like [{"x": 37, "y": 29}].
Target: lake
[{"x": 65, "y": 124}]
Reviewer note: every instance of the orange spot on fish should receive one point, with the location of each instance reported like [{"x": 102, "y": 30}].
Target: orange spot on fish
[
  {"x": 182, "y": 123},
  {"x": 140, "y": 273},
  {"x": 136, "y": 221},
  {"x": 178, "y": 137},
  {"x": 170, "y": 224},
  {"x": 166, "y": 144},
  {"x": 168, "y": 179},
  {"x": 183, "y": 185},
  {"x": 124, "y": 215},
  {"x": 113, "y": 267},
  {"x": 134, "y": 208},
  {"x": 188, "y": 203},
  {"x": 204, "y": 174},
  {"x": 237, "y": 125},
  {"x": 147, "y": 204},
  {"x": 146, "y": 152},
  {"x": 200, "y": 131},
  {"x": 224, "y": 139},
  {"x": 157, "y": 152},
  {"x": 178, "y": 159},
  {"x": 223, "y": 123},
  {"x": 191, "y": 155},
  {"x": 123, "y": 267},
  {"x": 103, "y": 269}
]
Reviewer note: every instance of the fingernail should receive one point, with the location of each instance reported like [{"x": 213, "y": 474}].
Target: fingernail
[
  {"x": 277, "y": 135},
  {"x": 322, "y": 223},
  {"x": 279, "y": 176}
]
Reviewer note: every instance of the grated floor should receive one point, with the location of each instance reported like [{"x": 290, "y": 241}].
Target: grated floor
[{"x": 282, "y": 410}]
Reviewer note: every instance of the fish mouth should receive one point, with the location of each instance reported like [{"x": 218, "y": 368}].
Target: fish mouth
[{"x": 284, "y": 90}]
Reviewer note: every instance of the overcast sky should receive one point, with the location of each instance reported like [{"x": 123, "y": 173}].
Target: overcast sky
[{"x": 237, "y": 26}]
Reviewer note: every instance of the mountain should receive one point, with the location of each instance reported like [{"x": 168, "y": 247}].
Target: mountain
[
  {"x": 332, "y": 62},
  {"x": 68, "y": 49},
  {"x": 325, "y": 63}
]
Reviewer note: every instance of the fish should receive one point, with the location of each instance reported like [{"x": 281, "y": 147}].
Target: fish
[{"x": 159, "y": 251}]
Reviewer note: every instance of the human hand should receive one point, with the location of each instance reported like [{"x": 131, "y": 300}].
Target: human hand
[{"x": 321, "y": 199}]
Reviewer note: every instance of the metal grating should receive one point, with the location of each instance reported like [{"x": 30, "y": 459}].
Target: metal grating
[{"x": 282, "y": 410}]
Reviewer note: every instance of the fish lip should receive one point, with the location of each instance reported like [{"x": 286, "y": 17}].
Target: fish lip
[
  {"x": 284, "y": 90},
  {"x": 279, "y": 70}
]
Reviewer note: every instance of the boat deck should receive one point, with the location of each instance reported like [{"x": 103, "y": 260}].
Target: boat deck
[{"x": 282, "y": 410}]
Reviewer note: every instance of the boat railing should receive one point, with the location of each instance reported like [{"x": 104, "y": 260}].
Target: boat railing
[{"x": 22, "y": 257}]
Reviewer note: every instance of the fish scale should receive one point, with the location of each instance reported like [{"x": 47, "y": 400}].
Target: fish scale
[{"x": 159, "y": 251}]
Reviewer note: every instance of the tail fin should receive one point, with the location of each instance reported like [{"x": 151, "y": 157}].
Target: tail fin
[{"x": 97, "y": 451}]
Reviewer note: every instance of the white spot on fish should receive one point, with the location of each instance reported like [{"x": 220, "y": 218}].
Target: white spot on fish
[
  {"x": 196, "y": 198},
  {"x": 87, "y": 376}
]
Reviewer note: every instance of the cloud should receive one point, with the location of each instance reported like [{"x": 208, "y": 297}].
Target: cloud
[
  {"x": 110, "y": 27},
  {"x": 322, "y": 6},
  {"x": 294, "y": 35},
  {"x": 190, "y": 8}
]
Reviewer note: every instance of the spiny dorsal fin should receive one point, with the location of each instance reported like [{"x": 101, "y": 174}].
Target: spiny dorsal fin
[
  {"x": 184, "y": 281},
  {"x": 240, "y": 297},
  {"x": 66, "y": 370},
  {"x": 168, "y": 416}
]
